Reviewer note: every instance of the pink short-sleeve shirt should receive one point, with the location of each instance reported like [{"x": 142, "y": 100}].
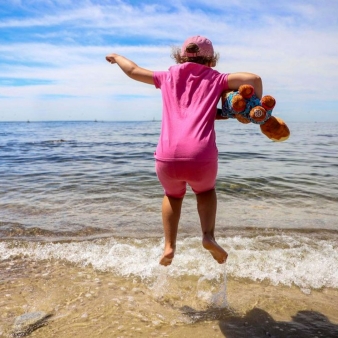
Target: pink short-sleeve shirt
[{"x": 190, "y": 93}]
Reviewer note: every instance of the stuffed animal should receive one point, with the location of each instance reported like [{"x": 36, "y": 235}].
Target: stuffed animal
[{"x": 246, "y": 107}]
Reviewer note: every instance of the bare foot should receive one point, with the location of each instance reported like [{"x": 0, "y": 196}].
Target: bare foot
[
  {"x": 167, "y": 257},
  {"x": 216, "y": 251}
]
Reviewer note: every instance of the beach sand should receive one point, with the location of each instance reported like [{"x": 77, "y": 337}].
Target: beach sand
[{"x": 85, "y": 302}]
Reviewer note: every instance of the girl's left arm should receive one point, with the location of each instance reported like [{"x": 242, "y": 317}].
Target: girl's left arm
[
  {"x": 131, "y": 69},
  {"x": 237, "y": 79}
]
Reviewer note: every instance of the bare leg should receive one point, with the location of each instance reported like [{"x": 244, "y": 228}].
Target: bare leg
[
  {"x": 171, "y": 212},
  {"x": 206, "y": 206}
]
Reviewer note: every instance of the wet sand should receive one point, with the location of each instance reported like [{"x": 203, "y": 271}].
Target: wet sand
[{"x": 88, "y": 303}]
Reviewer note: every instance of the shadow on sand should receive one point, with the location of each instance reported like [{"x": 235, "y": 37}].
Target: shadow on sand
[{"x": 258, "y": 323}]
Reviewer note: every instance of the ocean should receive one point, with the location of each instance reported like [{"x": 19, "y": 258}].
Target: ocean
[{"x": 81, "y": 234}]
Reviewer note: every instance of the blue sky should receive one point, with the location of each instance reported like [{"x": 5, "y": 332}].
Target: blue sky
[{"x": 52, "y": 54}]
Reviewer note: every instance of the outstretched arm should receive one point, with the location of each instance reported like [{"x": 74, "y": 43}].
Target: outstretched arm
[
  {"x": 131, "y": 69},
  {"x": 237, "y": 79}
]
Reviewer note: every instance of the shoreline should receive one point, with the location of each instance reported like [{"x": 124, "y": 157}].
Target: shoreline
[{"x": 88, "y": 303}]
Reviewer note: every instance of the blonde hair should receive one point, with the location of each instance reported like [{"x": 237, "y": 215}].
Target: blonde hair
[{"x": 193, "y": 48}]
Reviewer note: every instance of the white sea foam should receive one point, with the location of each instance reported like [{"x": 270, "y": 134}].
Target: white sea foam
[{"x": 280, "y": 259}]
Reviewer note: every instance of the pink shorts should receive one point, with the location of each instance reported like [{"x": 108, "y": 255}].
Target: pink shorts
[{"x": 175, "y": 175}]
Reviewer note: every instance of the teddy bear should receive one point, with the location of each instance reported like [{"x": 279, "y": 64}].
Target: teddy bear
[{"x": 246, "y": 107}]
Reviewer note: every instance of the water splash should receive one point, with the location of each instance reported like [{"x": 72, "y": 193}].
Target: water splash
[
  {"x": 161, "y": 283},
  {"x": 220, "y": 299}
]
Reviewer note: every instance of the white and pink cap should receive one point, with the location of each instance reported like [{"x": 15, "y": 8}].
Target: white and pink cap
[{"x": 204, "y": 45}]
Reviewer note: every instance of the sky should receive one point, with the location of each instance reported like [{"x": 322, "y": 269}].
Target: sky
[{"x": 53, "y": 67}]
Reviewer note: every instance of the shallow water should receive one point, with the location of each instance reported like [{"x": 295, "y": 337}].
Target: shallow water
[
  {"x": 73, "y": 176},
  {"x": 81, "y": 234}
]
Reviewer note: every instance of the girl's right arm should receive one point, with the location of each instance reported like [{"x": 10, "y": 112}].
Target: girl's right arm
[
  {"x": 237, "y": 79},
  {"x": 131, "y": 69}
]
